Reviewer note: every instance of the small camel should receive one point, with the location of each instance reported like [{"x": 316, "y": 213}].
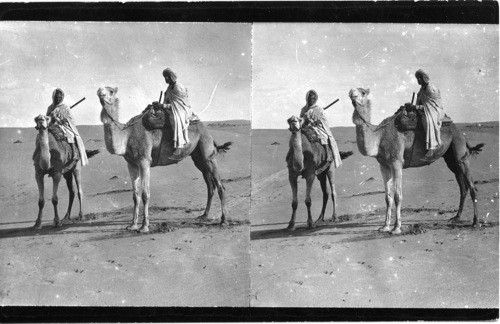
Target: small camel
[
  {"x": 54, "y": 158},
  {"x": 396, "y": 151},
  {"x": 304, "y": 158},
  {"x": 143, "y": 149}
]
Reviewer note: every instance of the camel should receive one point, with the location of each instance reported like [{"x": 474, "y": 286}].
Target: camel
[
  {"x": 304, "y": 158},
  {"x": 396, "y": 151},
  {"x": 143, "y": 149},
  {"x": 55, "y": 158}
]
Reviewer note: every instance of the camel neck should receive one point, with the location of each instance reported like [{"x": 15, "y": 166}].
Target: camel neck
[
  {"x": 297, "y": 155},
  {"x": 116, "y": 138},
  {"x": 367, "y": 140},
  {"x": 43, "y": 142}
]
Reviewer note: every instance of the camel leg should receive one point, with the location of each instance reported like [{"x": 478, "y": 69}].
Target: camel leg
[
  {"x": 68, "y": 176},
  {"x": 133, "y": 171},
  {"x": 324, "y": 189},
  {"x": 210, "y": 186},
  {"x": 293, "y": 183},
  {"x": 309, "y": 184},
  {"x": 331, "y": 181},
  {"x": 453, "y": 165},
  {"x": 56, "y": 179},
  {"x": 215, "y": 176},
  {"x": 144, "y": 175},
  {"x": 41, "y": 200},
  {"x": 464, "y": 166},
  {"x": 398, "y": 198},
  {"x": 387, "y": 177},
  {"x": 78, "y": 180}
]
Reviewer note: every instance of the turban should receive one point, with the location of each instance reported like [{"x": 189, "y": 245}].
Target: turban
[
  {"x": 56, "y": 91},
  {"x": 170, "y": 73},
  {"x": 422, "y": 74},
  {"x": 309, "y": 92}
]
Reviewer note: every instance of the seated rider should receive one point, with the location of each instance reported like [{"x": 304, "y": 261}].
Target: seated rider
[
  {"x": 315, "y": 115},
  {"x": 176, "y": 104},
  {"x": 429, "y": 100},
  {"x": 60, "y": 114}
]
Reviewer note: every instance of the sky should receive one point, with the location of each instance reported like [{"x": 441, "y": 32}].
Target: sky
[
  {"x": 79, "y": 57},
  {"x": 264, "y": 69},
  {"x": 289, "y": 59}
]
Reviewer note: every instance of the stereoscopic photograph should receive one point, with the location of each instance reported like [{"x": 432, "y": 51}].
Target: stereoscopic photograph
[{"x": 332, "y": 165}]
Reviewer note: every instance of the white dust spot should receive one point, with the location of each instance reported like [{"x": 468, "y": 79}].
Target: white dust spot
[
  {"x": 123, "y": 301},
  {"x": 487, "y": 214},
  {"x": 391, "y": 258},
  {"x": 437, "y": 28},
  {"x": 242, "y": 54},
  {"x": 347, "y": 259},
  {"x": 304, "y": 42},
  {"x": 384, "y": 49},
  {"x": 57, "y": 296},
  {"x": 140, "y": 66},
  {"x": 19, "y": 131}
]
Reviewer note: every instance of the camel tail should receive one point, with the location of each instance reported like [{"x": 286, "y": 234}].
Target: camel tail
[
  {"x": 222, "y": 148},
  {"x": 91, "y": 153},
  {"x": 474, "y": 151},
  {"x": 345, "y": 155}
]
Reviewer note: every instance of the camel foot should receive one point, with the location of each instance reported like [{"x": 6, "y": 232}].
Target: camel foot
[
  {"x": 455, "y": 219},
  {"x": 476, "y": 224},
  {"x": 58, "y": 223},
  {"x": 291, "y": 227},
  {"x": 204, "y": 218},
  {"x": 311, "y": 225},
  {"x": 37, "y": 226},
  {"x": 384, "y": 229},
  {"x": 144, "y": 229},
  {"x": 132, "y": 227},
  {"x": 396, "y": 230}
]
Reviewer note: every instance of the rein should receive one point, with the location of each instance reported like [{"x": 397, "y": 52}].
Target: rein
[
  {"x": 120, "y": 125},
  {"x": 377, "y": 127}
]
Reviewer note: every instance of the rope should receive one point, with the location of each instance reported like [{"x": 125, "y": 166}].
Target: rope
[
  {"x": 377, "y": 127},
  {"x": 127, "y": 125}
]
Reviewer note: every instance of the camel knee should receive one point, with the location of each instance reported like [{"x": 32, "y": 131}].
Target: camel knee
[
  {"x": 55, "y": 200},
  {"x": 389, "y": 200},
  {"x": 294, "y": 204},
  {"x": 308, "y": 202},
  {"x": 41, "y": 203},
  {"x": 145, "y": 196},
  {"x": 398, "y": 198}
]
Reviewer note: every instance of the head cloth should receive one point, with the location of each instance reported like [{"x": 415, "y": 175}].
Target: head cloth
[
  {"x": 422, "y": 74},
  {"x": 170, "y": 73},
  {"x": 56, "y": 91},
  {"x": 307, "y": 96}
]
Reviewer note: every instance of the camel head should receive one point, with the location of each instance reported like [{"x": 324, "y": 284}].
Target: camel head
[
  {"x": 109, "y": 102},
  {"x": 294, "y": 124},
  {"x": 42, "y": 122},
  {"x": 361, "y": 100}
]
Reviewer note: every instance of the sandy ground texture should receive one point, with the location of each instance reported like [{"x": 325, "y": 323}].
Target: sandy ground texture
[
  {"x": 349, "y": 263},
  {"x": 96, "y": 261}
]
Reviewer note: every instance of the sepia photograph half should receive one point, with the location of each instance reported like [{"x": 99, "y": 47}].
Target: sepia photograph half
[
  {"x": 125, "y": 173},
  {"x": 375, "y": 165}
]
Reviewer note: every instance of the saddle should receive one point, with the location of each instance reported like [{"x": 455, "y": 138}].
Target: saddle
[
  {"x": 408, "y": 118},
  {"x": 326, "y": 155},
  {"x": 72, "y": 154},
  {"x": 156, "y": 119}
]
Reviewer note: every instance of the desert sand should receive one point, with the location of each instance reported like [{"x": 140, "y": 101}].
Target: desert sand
[
  {"x": 96, "y": 262},
  {"x": 349, "y": 263}
]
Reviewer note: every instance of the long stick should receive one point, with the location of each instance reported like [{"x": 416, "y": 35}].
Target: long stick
[
  {"x": 333, "y": 103},
  {"x": 161, "y": 94},
  {"x": 412, "y": 97},
  {"x": 77, "y": 102}
]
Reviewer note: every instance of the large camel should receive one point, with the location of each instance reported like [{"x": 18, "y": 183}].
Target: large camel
[
  {"x": 396, "y": 151},
  {"x": 303, "y": 159},
  {"x": 55, "y": 158},
  {"x": 143, "y": 149}
]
